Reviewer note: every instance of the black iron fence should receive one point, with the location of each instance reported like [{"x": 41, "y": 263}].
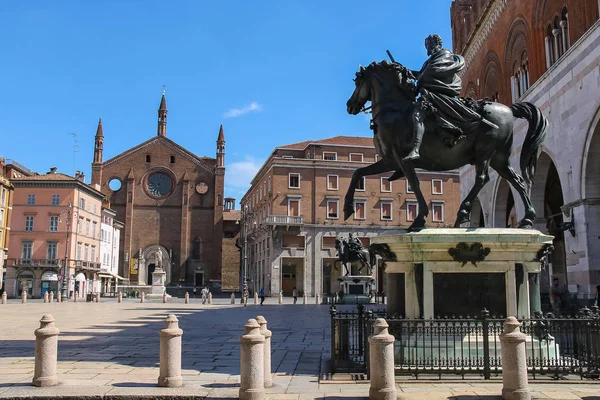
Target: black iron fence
[{"x": 555, "y": 346}]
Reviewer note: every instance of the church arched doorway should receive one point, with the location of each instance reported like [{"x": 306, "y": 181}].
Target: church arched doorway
[{"x": 591, "y": 204}]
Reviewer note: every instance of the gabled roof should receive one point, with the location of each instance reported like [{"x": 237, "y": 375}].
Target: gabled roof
[
  {"x": 57, "y": 176},
  {"x": 336, "y": 140},
  {"x": 205, "y": 162}
]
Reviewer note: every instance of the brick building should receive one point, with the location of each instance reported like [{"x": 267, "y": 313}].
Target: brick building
[
  {"x": 546, "y": 52},
  {"x": 170, "y": 200},
  {"x": 49, "y": 211},
  {"x": 293, "y": 211}
]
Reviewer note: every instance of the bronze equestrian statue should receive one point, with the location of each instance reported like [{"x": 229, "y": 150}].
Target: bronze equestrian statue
[
  {"x": 425, "y": 125},
  {"x": 352, "y": 250}
]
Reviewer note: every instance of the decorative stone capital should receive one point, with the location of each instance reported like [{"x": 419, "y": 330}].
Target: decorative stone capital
[
  {"x": 252, "y": 332},
  {"x": 381, "y": 334},
  {"x": 512, "y": 333},
  {"x": 47, "y": 327},
  {"x": 171, "y": 327},
  {"x": 263, "y": 327}
]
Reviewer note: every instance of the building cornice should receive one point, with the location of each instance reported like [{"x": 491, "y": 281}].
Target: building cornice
[{"x": 482, "y": 31}]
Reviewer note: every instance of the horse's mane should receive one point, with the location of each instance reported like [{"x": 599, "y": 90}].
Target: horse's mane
[{"x": 406, "y": 82}]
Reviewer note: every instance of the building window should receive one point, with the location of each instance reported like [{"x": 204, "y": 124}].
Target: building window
[
  {"x": 26, "y": 250},
  {"x": 294, "y": 181},
  {"x": 172, "y": 160},
  {"x": 147, "y": 157},
  {"x": 29, "y": 223},
  {"x": 386, "y": 185},
  {"x": 31, "y": 199},
  {"x": 56, "y": 199},
  {"x": 357, "y": 157},
  {"x": 333, "y": 209},
  {"x": 94, "y": 225},
  {"x": 332, "y": 182},
  {"x": 82, "y": 203},
  {"x": 360, "y": 210},
  {"x": 87, "y": 227},
  {"x": 436, "y": 186},
  {"x": 54, "y": 223},
  {"x": 361, "y": 184},
  {"x": 412, "y": 210},
  {"x": 287, "y": 156},
  {"x": 386, "y": 210},
  {"x": 3, "y": 199},
  {"x": 330, "y": 156},
  {"x": 1, "y": 218},
  {"x": 293, "y": 207},
  {"x": 86, "y": 252},
  {"x": 437, "y": 209},
  {"x": 328, "y": 242},
  {"x": 52, "y": 251},
  {"x": 269, "y": 184},
  {"x": 95, "y": 209},
  {"x": 408, "y": 188},
  {"x": 93, "y": 257},
  {"x": 80, "y": 226},
  {"x": 196, "y": 244},
  {"x": 79, "y": 251},
  {"x": 376, "y": 157}
]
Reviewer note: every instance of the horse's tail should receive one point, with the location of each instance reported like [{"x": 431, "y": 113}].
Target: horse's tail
[{"x": 536, "y": 133}]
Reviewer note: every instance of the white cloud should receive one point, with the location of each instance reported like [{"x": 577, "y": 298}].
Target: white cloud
[
  {"x": 239, "y": 174},
  {"x": 236, "y": 112}
]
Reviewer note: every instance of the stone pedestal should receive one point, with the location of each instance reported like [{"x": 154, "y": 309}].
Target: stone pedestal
[
  {"x": 46, "y": 297},
  {"x": 4, "y": 297},
  {"x": 58, "y": 297},
  {"x": 158, "y": 284},
  {"x": 23, "y": 296},
  {"x": 355, "y": 289},
  {"x": 51, "y": 297},
  {"x": 232, "y": 298},
  {"x": 209, "y": 298},
  {"x": 187, "y": 298},
  {"x": 267, "y": 334},
  {"x": 487, "y": 267},
  {"x": 46, "y": 353}
]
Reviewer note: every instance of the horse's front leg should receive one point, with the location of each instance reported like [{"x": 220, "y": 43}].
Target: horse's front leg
[
  {"x": 413, "y": 181},
  {"x": 377, "y": 168}
]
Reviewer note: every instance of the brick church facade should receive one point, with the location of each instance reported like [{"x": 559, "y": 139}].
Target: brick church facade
[{"x": 171, "y": 202}]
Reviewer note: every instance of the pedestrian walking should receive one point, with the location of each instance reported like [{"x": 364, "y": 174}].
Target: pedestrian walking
[
  {"x": 194, "y": 291},
  {"x": 262, "y": 296},
  {"x": 597, "y": 297},
  {"x": 205, "y": 292},
  {"x": 295, "y": 294}
]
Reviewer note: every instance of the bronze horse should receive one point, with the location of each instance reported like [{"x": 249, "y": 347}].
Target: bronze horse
[
  {"x": 391, "y": 101},
  {"x": 346, "y": 255}
]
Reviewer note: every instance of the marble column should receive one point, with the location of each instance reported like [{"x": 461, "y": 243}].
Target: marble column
[
  {"x": 565, "y": 35},
  {"x": 555, "y": 33},
  {"x": 428, "y": 311},
  {"x": 535, "y": 302},
  {"x": 549, "y": 51},
  {"x": 522, "y": 283},
  {"x": 511, "y": 292}
]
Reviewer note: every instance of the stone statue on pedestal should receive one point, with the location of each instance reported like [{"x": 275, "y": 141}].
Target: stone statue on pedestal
[{"x": 352, "y": 250}]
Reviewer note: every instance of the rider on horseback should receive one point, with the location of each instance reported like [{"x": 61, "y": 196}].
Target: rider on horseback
[
  {"x": 354, "y": 244},
  {"x": 438, "y": 86}
]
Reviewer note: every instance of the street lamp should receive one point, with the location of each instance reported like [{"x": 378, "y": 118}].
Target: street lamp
[{"x": 69, "y": 213}]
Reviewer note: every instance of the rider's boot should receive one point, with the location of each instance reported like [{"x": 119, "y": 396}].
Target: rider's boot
[{"x": 418, "y": 132}]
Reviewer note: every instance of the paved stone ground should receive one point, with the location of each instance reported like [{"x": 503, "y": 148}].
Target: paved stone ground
[{"x": 109, "y": 349}]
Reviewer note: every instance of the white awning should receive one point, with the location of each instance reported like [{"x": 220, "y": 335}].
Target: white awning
[
  {"x": 50, "y": 276},
  {"x": 105, "y": 275},
  {"x": 111, "y": 276},
  {"x": 80, "y": 277}
]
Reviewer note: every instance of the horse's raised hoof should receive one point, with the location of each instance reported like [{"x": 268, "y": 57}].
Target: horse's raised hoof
[
  {"x": 525, "y": 224},
  {"x": 462, "y": 217}
]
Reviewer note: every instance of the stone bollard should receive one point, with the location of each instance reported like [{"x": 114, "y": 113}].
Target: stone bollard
[
  {"x": 164, "y": 297},
  {"x": 514, "y": 364},
  {"x": 59, "y": 297},
  {"x": 252, "y": 374},
  {"x": 142, "y": 297},
  {"x": 267, "y": 356},
  {"x": 255, "y": 298},
  {"x": 4, "y": 298},
  {"x": 232, "y": 298},
  {"x": 209, "y": 298},
  {"x": 75, "y": 297},
  {"x": 187, "y": 298},
  {"x": 97, "y": 297},
  {"x": 317, "y": 298},
  {"x": 46, "y": 353},
  {"x": 305, "y": 299},
  {"x": 23, "y": 296},
  {"x": 51, "y": 297},
  {"x": 46, "y": 296},
  {"x": 280, "y": 298},
  {"x": 170, "y": 353},
  {"x": 381, "y": 361},
  {"x": 120, "y": 297}
]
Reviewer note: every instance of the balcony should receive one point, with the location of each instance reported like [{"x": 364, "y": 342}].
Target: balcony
[
  {"x": 283, "y": 220},
  {"x": 33, "y": 262}
]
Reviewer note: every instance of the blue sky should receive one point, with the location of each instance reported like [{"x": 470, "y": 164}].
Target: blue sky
[{"x": 272, "y": 72}]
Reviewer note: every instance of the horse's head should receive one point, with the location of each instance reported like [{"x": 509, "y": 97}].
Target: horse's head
[{"x": 378, "y": 77}]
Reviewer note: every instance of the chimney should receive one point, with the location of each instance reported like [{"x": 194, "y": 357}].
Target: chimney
[
  {"x": 52, "y": 170},
  {"x": 81, "y": 177}
]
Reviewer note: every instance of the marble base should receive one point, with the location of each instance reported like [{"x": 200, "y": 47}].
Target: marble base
[
  {"x": 355, "y": 289},
  {"x": 158, "y": 285}
]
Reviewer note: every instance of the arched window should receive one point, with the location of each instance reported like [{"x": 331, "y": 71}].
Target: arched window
[
  {"x": 147, "y": 157},
  {"x": 549, "y": 41},
  {"x": 557, "y": 33},
  {"x": 196, "y": 248}
]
